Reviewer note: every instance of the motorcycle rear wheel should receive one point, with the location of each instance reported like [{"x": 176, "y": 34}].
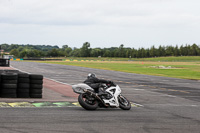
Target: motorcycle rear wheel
[
  {"x": 84, "y": 102},
  {"x": 124, "y": 103}
]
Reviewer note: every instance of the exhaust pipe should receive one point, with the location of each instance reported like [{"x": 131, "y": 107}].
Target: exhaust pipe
[{"x": 94, "y": 95}]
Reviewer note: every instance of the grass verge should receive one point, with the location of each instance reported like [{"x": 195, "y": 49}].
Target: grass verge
[{"x": 184, "y": 70}]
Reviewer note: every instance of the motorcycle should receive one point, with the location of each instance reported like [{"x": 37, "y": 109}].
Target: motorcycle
[{"x": 109, "y": 96}]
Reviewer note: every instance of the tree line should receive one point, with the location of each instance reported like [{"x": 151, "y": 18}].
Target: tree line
[{"x": 39, "y": 51}]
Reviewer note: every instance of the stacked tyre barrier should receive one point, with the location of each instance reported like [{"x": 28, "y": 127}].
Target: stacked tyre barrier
[
  {"x": 9, "y": 85},
  {"x": 20, "y": 85},
  {"x": 23, "y": 85},
  {"x": 36, "y": 82}
]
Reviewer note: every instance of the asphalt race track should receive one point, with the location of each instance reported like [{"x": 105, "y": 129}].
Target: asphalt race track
[{"x": 165, "y": 105}]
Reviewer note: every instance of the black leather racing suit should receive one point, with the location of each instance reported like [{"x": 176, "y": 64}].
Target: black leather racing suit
[{"x": 94, "y": 83}]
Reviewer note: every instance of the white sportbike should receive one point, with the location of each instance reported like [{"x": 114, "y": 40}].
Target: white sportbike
[{"x": 109, "y": 96}]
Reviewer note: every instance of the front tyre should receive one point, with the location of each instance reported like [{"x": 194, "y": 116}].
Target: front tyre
[
  {"x": 87, "y": 102},
  {"x": 124, "y": 103}
]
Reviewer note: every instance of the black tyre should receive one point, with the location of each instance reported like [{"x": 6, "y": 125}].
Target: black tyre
[
  {"x": 23, "y": 95},
  {"x": 9, "y": 86},
  {"x": 9, "y": 95},
  {"x": 12, "y": 76},
  {"x": 87, "y": 104},
  {"x": 23, "y": 80},
  {"x": 11, "y": 71},
  {"x": 36, "y": 86},
  {"x": 8, "y": 91},
  {"x": 35, "y": 91},
  {"x": 23, "y": 91},
  {"x": 124, "y": 103},
  {"x": 36, "y": 76},
  {"x": 23, "y": 75},
  {"x": 36, "y": 95},
  {"x": 23, "y": 86},
  {"x": 11, "y": 81},
  {"x": 36, "y": 81}
]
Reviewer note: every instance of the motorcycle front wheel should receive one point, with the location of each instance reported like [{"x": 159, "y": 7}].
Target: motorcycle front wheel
[
  {"x": 87, "y": 102},
  {"x": 124, "y": 103}
]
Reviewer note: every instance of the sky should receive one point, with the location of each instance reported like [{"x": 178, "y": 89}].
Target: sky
[{"x": 102, "y": 23}]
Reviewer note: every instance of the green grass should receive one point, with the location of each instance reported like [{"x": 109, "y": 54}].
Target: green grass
[
  {"x": 161, "y": 59},
  {"x": 184, "y": 70},
  {"x": 174, "y": 59}
]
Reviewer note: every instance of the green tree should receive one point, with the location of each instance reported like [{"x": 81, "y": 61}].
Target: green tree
[
  {"x": 53, "y": 53},
  {"x": 152, "y": 51},
  {"x": 121, "y": 52},
  {"x": 195, "y": 50},
  {"x": 85, "y": 50},
  {"x": 75, "y": 53},
  {"x": 183, "y": 50},
  {"x": 107, "y": 53},
  {"x": 169, "y": 51},
  {"x": 14, "y": 52},
  {"x": 161, "y": 51},
  {"x": 30, "y": 53},
  {"x": 176, "y": 51},
  {"x": 96, "y": 52},
  {"x": 23, "y": 54},
  {"x": 65, "y": 50}
]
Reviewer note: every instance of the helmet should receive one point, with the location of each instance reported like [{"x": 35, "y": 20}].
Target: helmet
[{"x": 92, "y": 75}]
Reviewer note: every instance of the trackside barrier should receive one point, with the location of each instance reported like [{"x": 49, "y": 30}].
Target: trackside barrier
[
  {"x": 81, "y": 60},
  {"x": 17, "y": 59},
  {"x": 44, "y": 59},
  {"x": 15, "y": 84}
]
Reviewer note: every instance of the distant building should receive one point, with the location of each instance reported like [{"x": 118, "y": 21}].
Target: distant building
[{"x": 7, "y": 56}]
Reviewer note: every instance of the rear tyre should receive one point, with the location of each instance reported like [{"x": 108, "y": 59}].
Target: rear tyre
[
  {"x": 124, "y": 103},
  {"x": 87, "y": 104}
]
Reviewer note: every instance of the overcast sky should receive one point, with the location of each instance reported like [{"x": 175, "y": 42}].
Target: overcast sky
[{"x": 103, "y": 23}]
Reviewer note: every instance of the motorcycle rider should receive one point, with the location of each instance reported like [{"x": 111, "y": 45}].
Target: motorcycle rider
[{"x": 94, "y": 82}]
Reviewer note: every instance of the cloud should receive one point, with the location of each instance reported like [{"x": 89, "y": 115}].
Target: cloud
[
  {"x": 114, "y": 21},
  {"x": 90, "y": 12}
]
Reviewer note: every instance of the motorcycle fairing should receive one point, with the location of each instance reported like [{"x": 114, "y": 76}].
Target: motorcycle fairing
[
  {"x": 78, "y": 88},
  {"x": 114, "y": 100}
]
